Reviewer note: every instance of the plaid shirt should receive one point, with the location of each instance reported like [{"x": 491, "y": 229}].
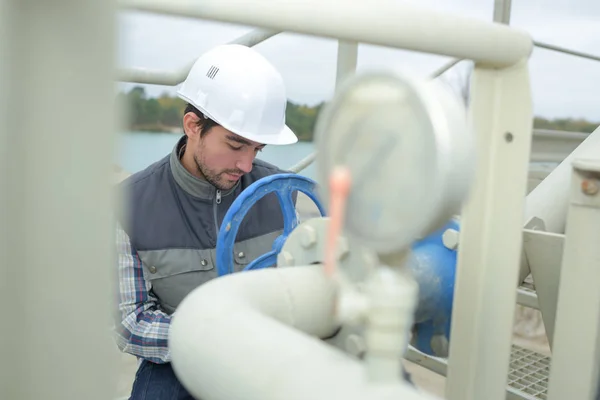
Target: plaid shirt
[{"x": 144, "y": 328}]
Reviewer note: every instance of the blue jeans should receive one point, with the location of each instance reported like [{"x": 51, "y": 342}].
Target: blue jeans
[{"x": 157, "y": 382}]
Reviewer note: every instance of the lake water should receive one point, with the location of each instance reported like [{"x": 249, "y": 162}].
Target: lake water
[{"x": 135, "y": 151}]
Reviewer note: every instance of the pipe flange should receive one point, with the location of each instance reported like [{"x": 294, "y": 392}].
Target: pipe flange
[{"x": 306, "y": 246}]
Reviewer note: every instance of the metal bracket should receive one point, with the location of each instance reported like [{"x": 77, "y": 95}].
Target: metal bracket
[{"x": 544, "y": 251}]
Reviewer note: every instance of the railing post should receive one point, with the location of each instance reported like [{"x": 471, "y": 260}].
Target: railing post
[
  {"x": 491, "y": 236},
  {"x": 346, "y": 61},
  {"x": 502, "y": 10},
  {"x": 57, "y": 142}
]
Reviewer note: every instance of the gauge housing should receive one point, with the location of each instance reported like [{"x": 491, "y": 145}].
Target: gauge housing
[{"x": 410, "y": 152}]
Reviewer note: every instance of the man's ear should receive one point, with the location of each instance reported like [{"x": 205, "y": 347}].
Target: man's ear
[{"x": 190, "y": 125}]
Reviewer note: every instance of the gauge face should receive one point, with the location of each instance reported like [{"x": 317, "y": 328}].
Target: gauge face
[{"x": 379, "y": 129}]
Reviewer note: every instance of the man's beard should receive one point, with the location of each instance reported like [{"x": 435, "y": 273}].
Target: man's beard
[{"x": 216, "y": 178}]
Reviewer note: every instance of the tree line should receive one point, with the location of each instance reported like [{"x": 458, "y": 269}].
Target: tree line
[{"x": 163, "y": 114}]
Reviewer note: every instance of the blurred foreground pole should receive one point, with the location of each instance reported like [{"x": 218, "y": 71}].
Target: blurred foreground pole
[
  {"x": 56, "y": 148},
  {"x": 4, "y": 295}
]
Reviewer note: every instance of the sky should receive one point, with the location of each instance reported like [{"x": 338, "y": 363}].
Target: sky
[{"x": 563, "y": 86}]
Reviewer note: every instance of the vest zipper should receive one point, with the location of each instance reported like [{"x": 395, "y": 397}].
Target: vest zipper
[{"x": 215, "y": 205}]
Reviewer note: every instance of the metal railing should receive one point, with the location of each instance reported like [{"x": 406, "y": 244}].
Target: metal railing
[
  {"x": 547, "y": 145},
  {"x": 173, "y": 78},
  {"x": 55, "y": 223},
  {"x": 508, "y": 48}
]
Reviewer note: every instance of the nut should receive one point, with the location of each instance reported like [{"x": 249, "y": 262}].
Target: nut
[
  {"x": 285, "y": 259},
  {"x": 450, "y": 239},
  {"x": 308, "y": 237}
]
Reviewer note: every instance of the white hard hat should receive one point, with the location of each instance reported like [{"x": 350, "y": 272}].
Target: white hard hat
[{"x": 239, "y": 89}]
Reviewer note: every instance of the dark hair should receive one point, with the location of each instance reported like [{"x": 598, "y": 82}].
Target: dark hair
[{"x": 205, "y": 124}]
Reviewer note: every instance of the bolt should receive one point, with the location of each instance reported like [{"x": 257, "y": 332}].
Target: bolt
[
  {"x": 508, "y": 137},
  {"x": 355, "y": 345},
  {"x": 285, "y": 259},
  {"x": 450, "y": 239},
  {"x": 308, "y": 237},
  {"x": 589, "y": 187}
]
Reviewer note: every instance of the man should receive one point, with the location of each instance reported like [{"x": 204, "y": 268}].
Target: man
[{"x": 173, "y": 209}]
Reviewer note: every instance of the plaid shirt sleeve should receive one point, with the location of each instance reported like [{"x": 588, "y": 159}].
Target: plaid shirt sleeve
[{"x": 144, "y": 328}]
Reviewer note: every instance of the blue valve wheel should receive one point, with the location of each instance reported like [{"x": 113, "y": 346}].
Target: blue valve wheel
[{"x": 284, "y": 185}]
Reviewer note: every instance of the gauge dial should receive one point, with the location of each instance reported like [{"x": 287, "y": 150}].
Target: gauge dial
[{"x": 379, "y": 127}]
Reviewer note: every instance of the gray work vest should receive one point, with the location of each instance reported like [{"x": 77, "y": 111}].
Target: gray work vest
[{"x": 173, "y": 218}]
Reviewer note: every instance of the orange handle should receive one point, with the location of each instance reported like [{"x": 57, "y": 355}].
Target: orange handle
[{"x": 339, "y": 188}]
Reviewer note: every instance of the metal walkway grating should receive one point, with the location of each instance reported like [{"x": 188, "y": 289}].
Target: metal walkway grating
[
  {"x": 529, "y": 372},
  {"x": 527, "y": 377}
]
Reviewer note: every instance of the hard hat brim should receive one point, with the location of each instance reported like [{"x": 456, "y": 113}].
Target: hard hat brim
[{"x": 286, "y": 136}]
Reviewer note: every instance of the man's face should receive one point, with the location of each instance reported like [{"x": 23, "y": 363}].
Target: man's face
[{"x": 222, "y": 157}]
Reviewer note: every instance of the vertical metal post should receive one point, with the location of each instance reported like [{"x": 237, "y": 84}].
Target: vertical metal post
[
  {"x": 502, "y": 11},
  {"x": 346, "y": 60},
  {"x": 491, "y": 236},
  {"x": 576, "y": 347},
  {"x": 58, "y": 143},
  {"x": 6, "y": 350}
]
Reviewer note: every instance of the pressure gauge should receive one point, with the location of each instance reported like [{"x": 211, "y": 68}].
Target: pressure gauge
[{"x": 409, "y": 151}]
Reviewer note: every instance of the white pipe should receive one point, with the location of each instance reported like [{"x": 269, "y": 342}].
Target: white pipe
[
  {"x": 392, "y": 294},
  {"x": 381, "y": 22},
  {"x": 254, "y": 335},
  {"x": 173, "y": 78},
  {"x": 550, "y": 199}
]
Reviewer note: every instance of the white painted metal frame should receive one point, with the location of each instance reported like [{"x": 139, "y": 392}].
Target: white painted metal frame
[
  {"x": 576, "y": 351},
  {"x": 364, "y": 22}
]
